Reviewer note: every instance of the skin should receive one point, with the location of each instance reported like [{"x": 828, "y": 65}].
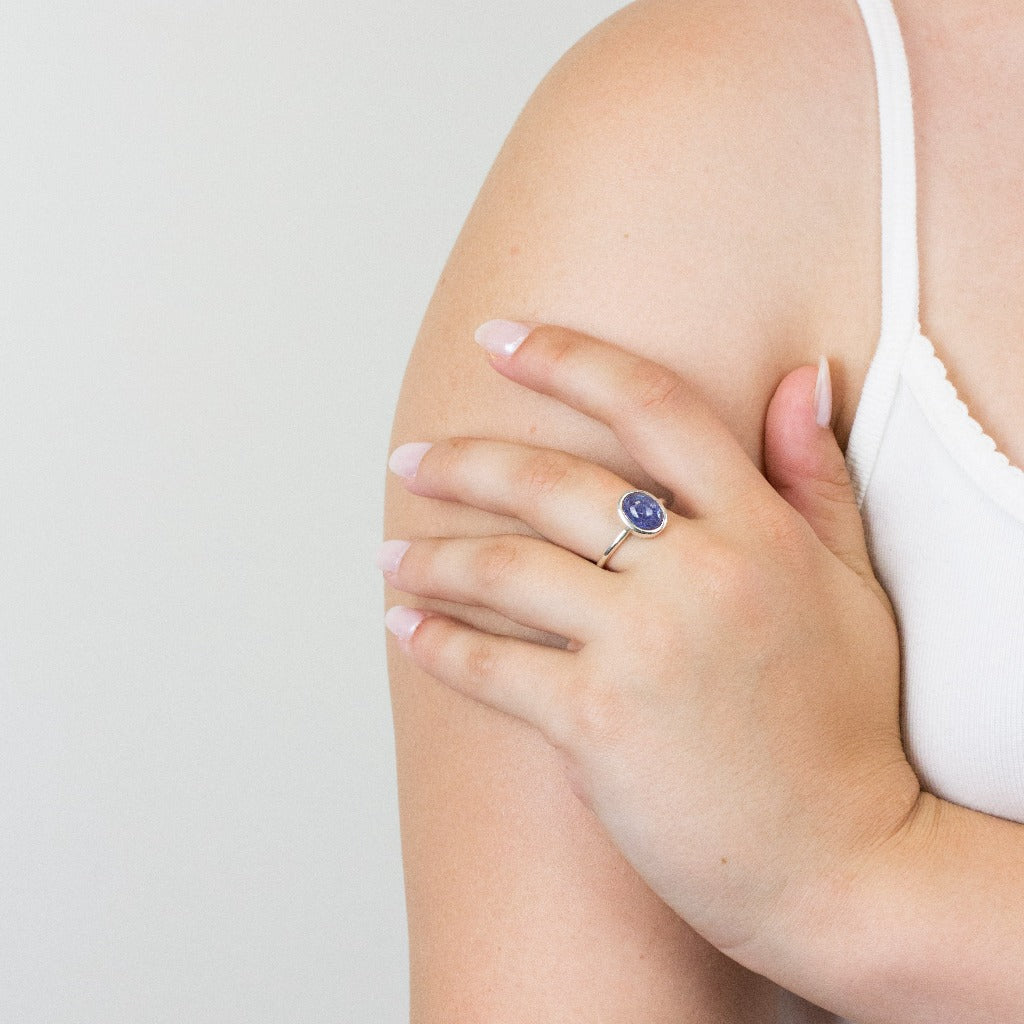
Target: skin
[
  {"x": 966, "y": 63},
  {"x": 745, "y": 696},
  {"x": 504, "y": 869},
  {"x": 760, "y": 688}
]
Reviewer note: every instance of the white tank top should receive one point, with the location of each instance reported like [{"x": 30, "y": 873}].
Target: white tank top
[{"x": 943, "y": 508}]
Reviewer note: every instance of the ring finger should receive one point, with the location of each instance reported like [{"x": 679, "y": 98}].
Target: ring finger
[{"x": 570, "y": 501}]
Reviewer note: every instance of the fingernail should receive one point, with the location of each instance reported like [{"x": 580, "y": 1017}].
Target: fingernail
[
  {"x": 390, "y": 554},
  {"x": 402, "y": 621},
  {"x": 502, "y": 337},
  {"x": 405, "y": 459},
  {"x": 823, "y": 394}
]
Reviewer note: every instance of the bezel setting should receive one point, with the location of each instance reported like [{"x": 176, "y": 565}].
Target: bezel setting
[{"x": 638, "y": 507}]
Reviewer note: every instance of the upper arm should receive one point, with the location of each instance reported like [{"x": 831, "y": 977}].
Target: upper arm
[{"x": 629, "y": 202}]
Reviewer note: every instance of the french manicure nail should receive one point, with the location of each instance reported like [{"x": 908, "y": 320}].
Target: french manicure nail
[
  {"x": 823, "y": 394},
  {"x": 405, "y": 459},
  {"x": 402, "y": 621},
  {"x": 390, "y": 554},
  {"x": 502, "y": 337}
]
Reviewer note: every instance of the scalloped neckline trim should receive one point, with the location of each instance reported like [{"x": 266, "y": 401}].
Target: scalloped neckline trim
[{"x": 962, "y": 435}]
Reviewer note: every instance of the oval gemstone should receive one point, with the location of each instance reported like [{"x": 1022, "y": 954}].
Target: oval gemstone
[{"x": 642, "y": 512}]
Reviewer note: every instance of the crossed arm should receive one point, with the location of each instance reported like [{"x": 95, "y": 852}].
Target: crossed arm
[
  {"x": 762, "y": 723},
  {"x": 519, "y": 906},
  {"x": 759, "y": 720}
]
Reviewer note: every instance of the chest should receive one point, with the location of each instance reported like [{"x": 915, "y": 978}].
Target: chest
[
  {"x": 970, "y": 165},
  {"x": 969, "y": 149},
  {"x": 943, "y": 514}
]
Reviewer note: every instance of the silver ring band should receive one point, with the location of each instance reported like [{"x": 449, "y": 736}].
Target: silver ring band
[{"x": 615, "y": 543}]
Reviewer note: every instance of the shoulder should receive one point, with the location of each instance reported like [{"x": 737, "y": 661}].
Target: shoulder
[{"x": 678, "y": 183}]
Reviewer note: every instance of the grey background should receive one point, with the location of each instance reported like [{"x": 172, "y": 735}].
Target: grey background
[{"x": 220, "y": 225}]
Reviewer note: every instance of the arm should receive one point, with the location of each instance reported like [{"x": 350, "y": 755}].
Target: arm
[
  {"x": 630, "y": 200},
  {"x": 933, "y": 930}
]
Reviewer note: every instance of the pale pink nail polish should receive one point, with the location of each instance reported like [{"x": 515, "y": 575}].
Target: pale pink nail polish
[
  {"x": 405, "y": 459},
  {"x": 502, "y": 337},
  {"x": 402, "y": 621},
  {"x": 390, "y": 554},
  {"x": 823, "y": 394}
]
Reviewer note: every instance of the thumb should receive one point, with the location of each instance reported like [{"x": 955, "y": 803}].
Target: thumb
[{"x": 804, "y": 463}]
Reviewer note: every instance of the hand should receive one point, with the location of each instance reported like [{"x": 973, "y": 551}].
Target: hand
[{"x": 728, "y": 700}]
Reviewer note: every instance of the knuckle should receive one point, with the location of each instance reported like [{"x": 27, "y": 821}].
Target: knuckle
[
  {"x": 557, "y": 344},
  {"x": 788, "y": 533},
  {"x": 480, "y": 662},
  {"x": 493, "y": 560},
  {"x": 778, "y": 525},
  {"x": 451, "y": 457},
  {"x": 834, "y": 489},
  {"x": 785, "y": 538},
  {"x": 835, "y": 474},
  {"x": 782, "y": 533},
  {"x": 655, "y": 387},
  {"x": 542, "y": 474}
]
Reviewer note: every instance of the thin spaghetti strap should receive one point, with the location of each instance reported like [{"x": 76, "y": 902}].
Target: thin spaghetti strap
[{"x": 900, "y": 285}]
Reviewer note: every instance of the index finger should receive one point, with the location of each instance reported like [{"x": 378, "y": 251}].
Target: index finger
[{"x": 658, "y": 417}]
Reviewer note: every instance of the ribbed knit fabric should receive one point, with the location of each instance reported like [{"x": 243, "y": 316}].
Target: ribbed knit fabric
[{"x": 942, "y": 507}]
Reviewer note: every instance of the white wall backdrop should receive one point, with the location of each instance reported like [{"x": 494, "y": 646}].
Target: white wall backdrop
[{"x": 220, "y": 225}]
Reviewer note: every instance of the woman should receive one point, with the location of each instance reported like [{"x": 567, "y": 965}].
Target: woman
[{"x": 734, "y": 816}]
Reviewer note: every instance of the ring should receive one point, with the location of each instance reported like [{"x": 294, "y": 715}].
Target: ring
[{"x": 643, "y": 515}]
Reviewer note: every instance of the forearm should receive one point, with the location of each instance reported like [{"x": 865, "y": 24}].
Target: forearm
[{"x": 932, "y": 930}]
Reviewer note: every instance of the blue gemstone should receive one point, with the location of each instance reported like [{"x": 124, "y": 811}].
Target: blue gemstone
[{"x": 642, "y": 512}]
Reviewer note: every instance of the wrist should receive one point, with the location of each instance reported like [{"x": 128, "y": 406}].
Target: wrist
[
  {"x": 926, "y": 926},
  {"x": 857, "y": 947},
  {"x": 823, "y": 941}
]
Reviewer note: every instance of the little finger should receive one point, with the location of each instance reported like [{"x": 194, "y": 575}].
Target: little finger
[{"x": 528, "y": 580}]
